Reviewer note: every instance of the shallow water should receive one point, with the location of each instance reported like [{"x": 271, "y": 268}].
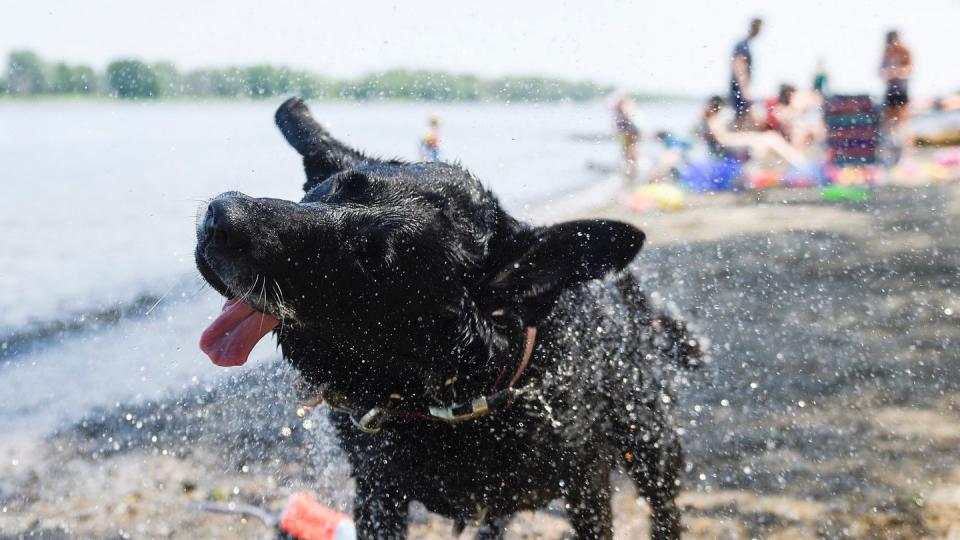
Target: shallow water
[{"x": 97, "y": 222}]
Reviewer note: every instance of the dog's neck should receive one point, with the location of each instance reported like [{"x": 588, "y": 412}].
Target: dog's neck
[{"x": 451, "y": 369}]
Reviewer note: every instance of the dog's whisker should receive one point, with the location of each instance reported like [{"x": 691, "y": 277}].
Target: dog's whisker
[
  {"x": 245, "y": 296},
  {"x": 285, "y": 310},
  {"x": 262, "y": 299},
  {"x": 281, "y": 308}
]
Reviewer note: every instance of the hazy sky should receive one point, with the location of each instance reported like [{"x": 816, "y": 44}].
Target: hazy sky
[{"x": 673, "y": 45}]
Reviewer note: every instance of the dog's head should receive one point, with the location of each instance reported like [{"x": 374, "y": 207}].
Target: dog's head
[{"x": 388, "y": 277}]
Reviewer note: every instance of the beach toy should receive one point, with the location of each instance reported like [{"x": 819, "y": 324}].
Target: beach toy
[
  {"x": 838, "y": 193},
  {"x": 935, "y": 171},
  {"x": 305, "y": 518},
  {"x": 948, "y": 157},
  {"x": 811, "y": 174},
  {"x": 660, "y": 196},
  {"x": 710, "y": 175},
  {"x": 850, "y": 176},
  {"x": 302, "y": 518},
  {"x": 764, "y": 180}
]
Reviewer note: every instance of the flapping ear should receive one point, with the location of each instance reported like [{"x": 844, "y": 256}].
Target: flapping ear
[
  {"x": 557, "y": 258},
  {"x": 323, "y": 155}
]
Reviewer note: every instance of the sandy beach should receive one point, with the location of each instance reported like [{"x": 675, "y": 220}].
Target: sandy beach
[{"x": 829, "y": 407}]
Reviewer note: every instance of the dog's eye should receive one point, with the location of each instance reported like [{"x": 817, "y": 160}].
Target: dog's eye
[
  {"x": 321, "y": 191},
  {"x": 350, "y": 186}
]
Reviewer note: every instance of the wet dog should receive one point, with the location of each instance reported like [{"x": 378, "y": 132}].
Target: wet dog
[{"x": 474, "y": 363}]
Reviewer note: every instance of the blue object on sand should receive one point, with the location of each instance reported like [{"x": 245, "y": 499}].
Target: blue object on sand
[
  {"x": 710, "y": 175},
  {"x": 809, "y": 174}
]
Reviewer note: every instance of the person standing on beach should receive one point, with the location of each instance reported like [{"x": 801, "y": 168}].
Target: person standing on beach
[
  {"x": 896, "y": 69},
  {"x": 430, "y": 143},
  {"x": 741, "y": 68},
  {"x": 629, "y": 135},
  {"x": 821, "y": 81}
]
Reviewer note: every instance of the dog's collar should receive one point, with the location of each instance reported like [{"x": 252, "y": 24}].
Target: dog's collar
[{"x": 372, "y": 420}]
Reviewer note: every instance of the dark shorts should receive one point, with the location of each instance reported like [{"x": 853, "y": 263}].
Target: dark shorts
[
  {"x": 737, "y": 101},
  {"x": 896, "y": 95}
]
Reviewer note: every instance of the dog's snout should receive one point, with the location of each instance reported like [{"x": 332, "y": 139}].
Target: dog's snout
[{"x": 220, "y": 223}]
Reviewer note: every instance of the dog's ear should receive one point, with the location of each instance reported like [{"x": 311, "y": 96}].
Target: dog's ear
[
  {"x": 322, "y": 154},
  {"x": 558, "y": 257}
]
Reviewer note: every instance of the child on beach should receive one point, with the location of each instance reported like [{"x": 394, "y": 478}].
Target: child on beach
[{"x": 430, "y": 144}]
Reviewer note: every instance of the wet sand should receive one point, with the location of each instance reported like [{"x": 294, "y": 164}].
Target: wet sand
[{"x": 829, "y": 407}]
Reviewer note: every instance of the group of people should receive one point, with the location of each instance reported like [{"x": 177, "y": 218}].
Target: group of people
[
  {"x": 781, "y": 127},
  {"x": 896, "y": 67}
]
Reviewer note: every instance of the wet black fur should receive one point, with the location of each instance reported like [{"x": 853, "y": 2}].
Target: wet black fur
[{"x": 389, "y": 277}]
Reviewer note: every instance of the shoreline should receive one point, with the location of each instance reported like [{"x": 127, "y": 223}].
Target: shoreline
[{"x": 835, "y": 439}]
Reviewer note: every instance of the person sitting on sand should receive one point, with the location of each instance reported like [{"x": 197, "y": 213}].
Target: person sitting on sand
[
  {"x": 780, "y": 112},
  {"x": 430, "y": 144},
  {"x": 723, "y": 141}
]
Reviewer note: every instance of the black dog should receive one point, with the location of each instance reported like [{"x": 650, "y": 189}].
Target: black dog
[{"x": 475, "y": 363}]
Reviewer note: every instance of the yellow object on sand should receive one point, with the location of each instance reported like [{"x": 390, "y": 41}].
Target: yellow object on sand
[
  {"x": 851, "y": 176},
  {"x": 659, "y": 196}
]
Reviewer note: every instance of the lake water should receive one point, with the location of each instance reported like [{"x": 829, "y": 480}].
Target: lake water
[{"x": 98, "y": 206}]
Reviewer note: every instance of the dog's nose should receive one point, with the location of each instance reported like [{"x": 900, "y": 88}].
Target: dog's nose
[{"x": 220, "y": 223}]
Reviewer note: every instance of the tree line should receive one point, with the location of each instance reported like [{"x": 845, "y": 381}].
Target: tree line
[{"x": 28, "y": 74}]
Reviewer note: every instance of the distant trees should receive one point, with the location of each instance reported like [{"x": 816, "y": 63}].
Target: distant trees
[
  {"x": 27, "y": 75},
  {"x": 69, "y": 79},
  {"x": 131, "y": 79}
]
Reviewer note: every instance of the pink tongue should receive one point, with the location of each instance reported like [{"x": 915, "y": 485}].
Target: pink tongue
[{"x": 230, "y": 338}]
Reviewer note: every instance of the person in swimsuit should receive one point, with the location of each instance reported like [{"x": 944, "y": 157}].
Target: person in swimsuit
[
  {"x": 724, "y": 142},
  {"x": 629, "y": 135},
  {"x": 781, "y": 112},
  {"x": 741, "y": 69},
  {"x": 896, "y": 69}
]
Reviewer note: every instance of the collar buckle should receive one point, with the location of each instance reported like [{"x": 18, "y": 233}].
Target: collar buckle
[{"x": 461, "y": 412}]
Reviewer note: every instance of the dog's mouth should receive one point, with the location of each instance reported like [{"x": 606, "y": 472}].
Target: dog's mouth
[{"x": 233, "y": 334}]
